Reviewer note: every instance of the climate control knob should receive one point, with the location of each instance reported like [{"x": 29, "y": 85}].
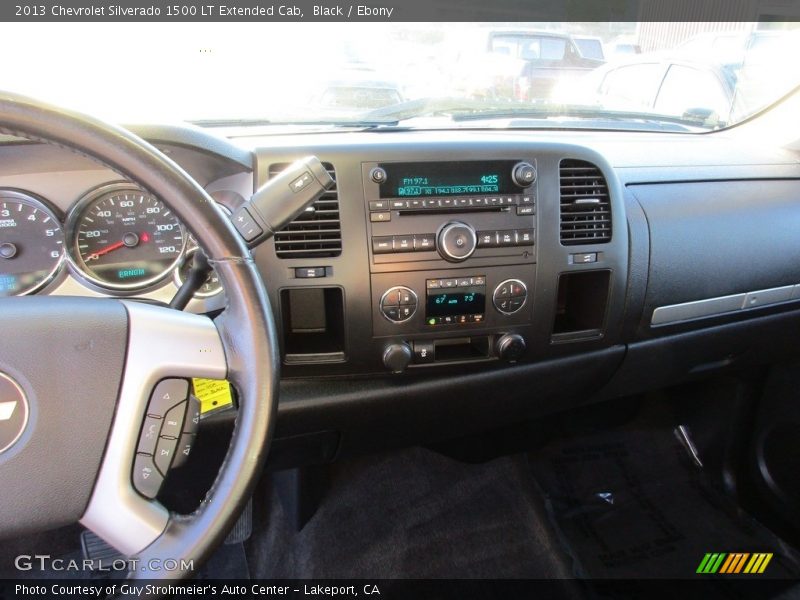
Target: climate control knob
[
  {"x": 456, "y": 241},
  {"x": 510, "y": 346}
]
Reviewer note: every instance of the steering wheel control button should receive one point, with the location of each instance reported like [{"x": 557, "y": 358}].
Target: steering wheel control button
[
  {"x": 246, "y": 225},
  {"x": 457, "y": 241},
  {"x": 192, "y": 423},
  {"x": 185, "y": 445},
  {"x": 510, "y": 296},
  {"x": 399, "y": 304},
  {"x": 167, "y": 394},
  {"x": 173, "y": 421},
  {"x": 524, "y": 174},
  {"x": 146, "y": 478},
  {"x": 13, "y": 412},
  {"x": 149, "y": 437},
  {"x": 165, "y": 452}
]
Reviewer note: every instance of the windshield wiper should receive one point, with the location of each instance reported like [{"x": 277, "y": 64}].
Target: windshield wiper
[
  {"x": 355, "y": 122},
  {"x": 463, "y": 110}
]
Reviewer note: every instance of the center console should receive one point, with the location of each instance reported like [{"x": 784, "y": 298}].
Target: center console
[{"x": 452, "y": 257}]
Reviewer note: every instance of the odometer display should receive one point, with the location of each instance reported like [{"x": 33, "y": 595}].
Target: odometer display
[{"x": 124, "y": 238}]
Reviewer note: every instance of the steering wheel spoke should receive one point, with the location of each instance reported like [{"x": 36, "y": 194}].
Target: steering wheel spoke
[{"x": 164, "y": 347}]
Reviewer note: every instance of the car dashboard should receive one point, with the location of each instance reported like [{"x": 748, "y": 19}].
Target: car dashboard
[{"x": 458, "y": 280}]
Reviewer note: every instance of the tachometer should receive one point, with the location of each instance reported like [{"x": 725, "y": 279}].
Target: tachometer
[
  {"x": 31, "y": 244},
  {"x": 124, "y": 238}
]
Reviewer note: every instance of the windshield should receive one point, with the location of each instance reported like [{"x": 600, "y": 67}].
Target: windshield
[{"x": 674, "y": 76}]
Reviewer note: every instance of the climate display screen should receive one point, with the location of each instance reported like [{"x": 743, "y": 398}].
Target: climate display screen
[
  {"x": 455, "y": 302},
  {"x": 447, "y": 179}
]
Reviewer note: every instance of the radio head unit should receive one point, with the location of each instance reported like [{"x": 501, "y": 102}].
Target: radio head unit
[{"x": 413, "y": 180}]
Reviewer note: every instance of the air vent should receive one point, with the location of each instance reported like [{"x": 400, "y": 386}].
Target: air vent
[
  {"x": 585, "y": 205},
  {"x": 315, "y": 233}
]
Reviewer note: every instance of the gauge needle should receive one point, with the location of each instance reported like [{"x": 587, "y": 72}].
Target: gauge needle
[{"x": 106, "y": 250}]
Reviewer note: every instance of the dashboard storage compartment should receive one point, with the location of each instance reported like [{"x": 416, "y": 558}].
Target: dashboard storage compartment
[
  {"x": 313, "y": 325},
  {"x": 582, "y": 302}
]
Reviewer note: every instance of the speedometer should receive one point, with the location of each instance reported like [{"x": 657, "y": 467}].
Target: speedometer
[
  {"x": 124, "y": 238},
  {"x": 31, "y": 244}
]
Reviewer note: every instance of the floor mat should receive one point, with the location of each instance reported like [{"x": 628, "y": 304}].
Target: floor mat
[
  {"x": 630, "y": 503},
  {"x": 416, "y": 514}
]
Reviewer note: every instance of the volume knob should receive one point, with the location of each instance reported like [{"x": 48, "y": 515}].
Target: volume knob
[{"x": 457, "y": 241}]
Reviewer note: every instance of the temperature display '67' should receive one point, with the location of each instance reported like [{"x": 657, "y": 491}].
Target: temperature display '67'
[{"x": 123, "y": 238}]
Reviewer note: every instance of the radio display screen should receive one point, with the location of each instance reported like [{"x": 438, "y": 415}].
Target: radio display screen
[
  {"x": 410, "y": 180},
  {"x": 455, "y": 302}
]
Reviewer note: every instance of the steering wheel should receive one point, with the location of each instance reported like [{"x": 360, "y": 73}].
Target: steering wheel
[{"x": 76, "y": 374}]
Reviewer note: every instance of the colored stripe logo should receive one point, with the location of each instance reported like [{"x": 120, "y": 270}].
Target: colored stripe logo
[{"x": 734, "y": 563}]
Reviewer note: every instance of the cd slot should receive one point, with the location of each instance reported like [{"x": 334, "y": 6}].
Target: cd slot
[{"x": 439, "y": 211}]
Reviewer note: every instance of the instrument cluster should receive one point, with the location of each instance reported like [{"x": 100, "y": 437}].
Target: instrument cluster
[{"x": 117, "y": 239}]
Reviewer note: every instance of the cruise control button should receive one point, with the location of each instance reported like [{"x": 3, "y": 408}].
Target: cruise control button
[
  {"x": 149, "y": 436},
  {"x": 173, "y": 421},
  {"x": 165, "y": 452},
  {"x": 167, "y": 394},
  {"x": 185, "y": 445},
  {"x": 382, "y": 245},
  {"x": 192, "y": 422},
  {"x": 146, "y": 478}
]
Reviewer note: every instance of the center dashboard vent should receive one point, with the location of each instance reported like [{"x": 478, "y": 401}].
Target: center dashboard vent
[
  {"x": 315, "y": 233},
  {"x": 585, "y": 204}
]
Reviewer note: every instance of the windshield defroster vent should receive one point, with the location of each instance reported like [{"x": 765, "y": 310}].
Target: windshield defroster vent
[
  {"x": 585, "y": 204},
  {"x": 315, "y": 233}
]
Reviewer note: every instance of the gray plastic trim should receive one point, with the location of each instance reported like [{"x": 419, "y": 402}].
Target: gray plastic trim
[
  {"x": 161, "y": 343},
  {"x": 712, "y": 307}
]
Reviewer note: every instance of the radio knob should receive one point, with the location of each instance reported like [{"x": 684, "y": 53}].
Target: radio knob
[
  {"x": 510, "y": 346},
  {"x": 397, "y": 357},
  {"x": 457, "y": 241},
  {"x": 524, "y": 174}
]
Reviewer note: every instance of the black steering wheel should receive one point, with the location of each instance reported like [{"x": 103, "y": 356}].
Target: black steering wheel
[{"x": 76, "y": 374}]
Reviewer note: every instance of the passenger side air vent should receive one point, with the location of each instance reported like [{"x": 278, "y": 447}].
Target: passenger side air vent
[
  {"x": 585, "y": 205},
  {"x": 315, "y": 233}
]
